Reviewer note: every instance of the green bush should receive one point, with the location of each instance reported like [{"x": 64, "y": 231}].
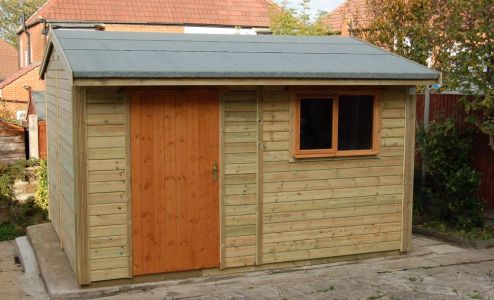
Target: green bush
[
  {"x": 451, "y": 194},
  {"x": 9, "y": 173},
  {"x": 10, "y": 231},
  {"x": 41, "y": 195}
]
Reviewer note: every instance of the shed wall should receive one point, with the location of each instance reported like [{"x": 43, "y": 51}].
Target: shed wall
[
  {"x": 278, "y": 209},
  {"x": 333, "y": 206},
  {"x": 274, "y": 208},
  {"x": 108, "y": 185},
  {"x": 240, "y": 177},
  {"x": 61, "y": 155}
]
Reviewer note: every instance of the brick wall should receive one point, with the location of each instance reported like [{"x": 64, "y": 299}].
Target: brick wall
[
  {"x": 16, "y": 90},
  {"x": 38, "y": 41}
]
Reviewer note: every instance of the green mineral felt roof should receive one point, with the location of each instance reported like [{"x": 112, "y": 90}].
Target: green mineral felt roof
[{"x": 99, "y": 54}]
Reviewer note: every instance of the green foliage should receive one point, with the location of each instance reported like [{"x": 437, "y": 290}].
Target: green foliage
[
  {"x": 6, "y": 114},
  {"x": 468, "y": 33},
  {"x": 289, "y": 21},
  {"x": 10, "y": 231},
  {"x": 41, "y": 195},
  {"x": 9, "y": 173},
  {"x": 455, "y": 37},
  {"x": 477, "y": 233},
  {"x": 401, "y": 26},
  {"x": 11, "y": 12},
  {"x": 452, "y": 192}
]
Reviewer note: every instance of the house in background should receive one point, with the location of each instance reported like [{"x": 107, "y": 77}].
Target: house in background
[
  {"x": 215, "y": 154},
  {"x": 15, "y": 90},
  {"x": 210, "y": 16},
  {"x": 348, "y": 16},
  {"x": 9, "y": 63}
]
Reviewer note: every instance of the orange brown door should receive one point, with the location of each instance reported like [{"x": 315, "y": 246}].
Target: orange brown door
[{"x": 174, "y": 163}]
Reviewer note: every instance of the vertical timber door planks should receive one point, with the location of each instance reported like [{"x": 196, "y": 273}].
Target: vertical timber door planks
[{"x": 175, "y": 198}]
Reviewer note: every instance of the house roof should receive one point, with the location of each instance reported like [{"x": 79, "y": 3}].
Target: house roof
[
  {"x": 246, "y": 13},
  {"x": 19, "y": 74},
  {"x": 9, "y": 60},
  {"x": 339, "y": 17},
  {"x": 96, "y": 54}
]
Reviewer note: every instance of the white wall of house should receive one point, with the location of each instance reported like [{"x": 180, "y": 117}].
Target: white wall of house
[{"x": 219, "y": 30}]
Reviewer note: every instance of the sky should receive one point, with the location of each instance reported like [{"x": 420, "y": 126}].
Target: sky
[{"x": 316, "y": 5}]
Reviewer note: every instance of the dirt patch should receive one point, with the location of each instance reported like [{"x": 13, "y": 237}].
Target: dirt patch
[{"x": 10, "y": 273}]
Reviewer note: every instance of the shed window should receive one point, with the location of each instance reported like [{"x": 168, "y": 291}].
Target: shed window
[
  {"x": 316, "y": 123},
  {"x": 337, "y": 125}
]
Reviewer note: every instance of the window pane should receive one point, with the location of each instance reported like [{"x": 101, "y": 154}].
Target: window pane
[
  {"x": 355, "y": 119},
  {"x": 316, "y": 123}
]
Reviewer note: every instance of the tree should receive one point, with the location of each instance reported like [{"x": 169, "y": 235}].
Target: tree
[
  {"x": 11, "y": 13},
  {"x": 455, "y": 37},
  {"x": 401, "y": 26},
  {"x": 469, "y": 43},
  {"x": 289, "y": 21}
]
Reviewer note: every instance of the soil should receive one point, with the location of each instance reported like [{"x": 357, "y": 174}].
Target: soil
[{"x": 10, "y": 274}]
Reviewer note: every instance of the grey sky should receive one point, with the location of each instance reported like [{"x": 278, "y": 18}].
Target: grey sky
[{"x": 316, "y": 5}]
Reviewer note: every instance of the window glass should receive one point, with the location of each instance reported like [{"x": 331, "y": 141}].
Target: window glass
[
  {"x": 316, "y": 123},
  {"x": 355, "y": 122}
]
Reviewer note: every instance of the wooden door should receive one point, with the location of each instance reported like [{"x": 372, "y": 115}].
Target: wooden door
[{"x": 175, "y": 199}]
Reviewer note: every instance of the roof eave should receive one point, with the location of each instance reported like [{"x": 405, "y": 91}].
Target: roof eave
[{"x": 248, "y": 82}]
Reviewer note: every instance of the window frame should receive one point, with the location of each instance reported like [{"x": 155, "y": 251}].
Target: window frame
[{"x": 334, "y": 152}]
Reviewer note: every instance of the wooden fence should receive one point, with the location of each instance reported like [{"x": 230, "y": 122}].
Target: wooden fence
[
  {"x": 447, "y": 105},
  {"x": 12, "y": 142},
  {"x": 42, "y": 139}
]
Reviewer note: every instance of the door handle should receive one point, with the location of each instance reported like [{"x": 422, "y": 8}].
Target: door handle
[{"x": 215, "y": 170}]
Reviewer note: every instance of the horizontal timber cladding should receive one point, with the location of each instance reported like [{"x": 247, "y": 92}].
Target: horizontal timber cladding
[
  {"x": 239, "y": 155},
  {"x": 61, "y": 155},
  {"x": 326, "y": 207},
  {"x": 108, "y": 185}
]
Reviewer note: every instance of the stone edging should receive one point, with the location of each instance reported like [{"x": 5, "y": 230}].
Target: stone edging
[{"x": 477, "y": 244}]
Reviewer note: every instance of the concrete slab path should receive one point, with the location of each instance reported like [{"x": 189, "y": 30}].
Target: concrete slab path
[{"x": 434, "y": 270}]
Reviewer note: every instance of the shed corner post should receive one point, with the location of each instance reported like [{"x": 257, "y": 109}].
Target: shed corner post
[
  {"x": 80, "y": 186},
  {"x": 408, "y": 170}
]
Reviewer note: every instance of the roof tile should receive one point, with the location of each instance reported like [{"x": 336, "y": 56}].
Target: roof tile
[{"x": 249, "y": 13}]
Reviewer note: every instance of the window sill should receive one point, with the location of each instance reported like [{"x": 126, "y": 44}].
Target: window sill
[{"x": 350, "y": 155}]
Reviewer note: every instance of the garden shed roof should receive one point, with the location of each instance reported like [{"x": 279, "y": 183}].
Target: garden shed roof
[{"x": 95, "y": 54}]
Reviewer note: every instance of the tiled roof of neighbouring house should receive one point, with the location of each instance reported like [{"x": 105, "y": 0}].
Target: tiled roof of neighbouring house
[
  {"x": 247, "y": 13},
  {"x": 19, "y": 74},
  {"x": 339, "y": 17},
  {"x": 9, "y": 60}
]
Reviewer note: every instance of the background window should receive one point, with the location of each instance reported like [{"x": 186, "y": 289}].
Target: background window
[
  {"x": 316, "y": 123},
  {"x": 355, "y": 122}
]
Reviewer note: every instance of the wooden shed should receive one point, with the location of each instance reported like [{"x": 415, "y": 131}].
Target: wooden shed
[{"x": 210, "y": 154}]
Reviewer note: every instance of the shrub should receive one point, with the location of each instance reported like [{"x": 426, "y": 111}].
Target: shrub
[
  {"x": 451, "y": 194},
  {"x": 41, "y": 195},
  {"x": 9, "y": 173},
  {"x": 10, "y": 232}
]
